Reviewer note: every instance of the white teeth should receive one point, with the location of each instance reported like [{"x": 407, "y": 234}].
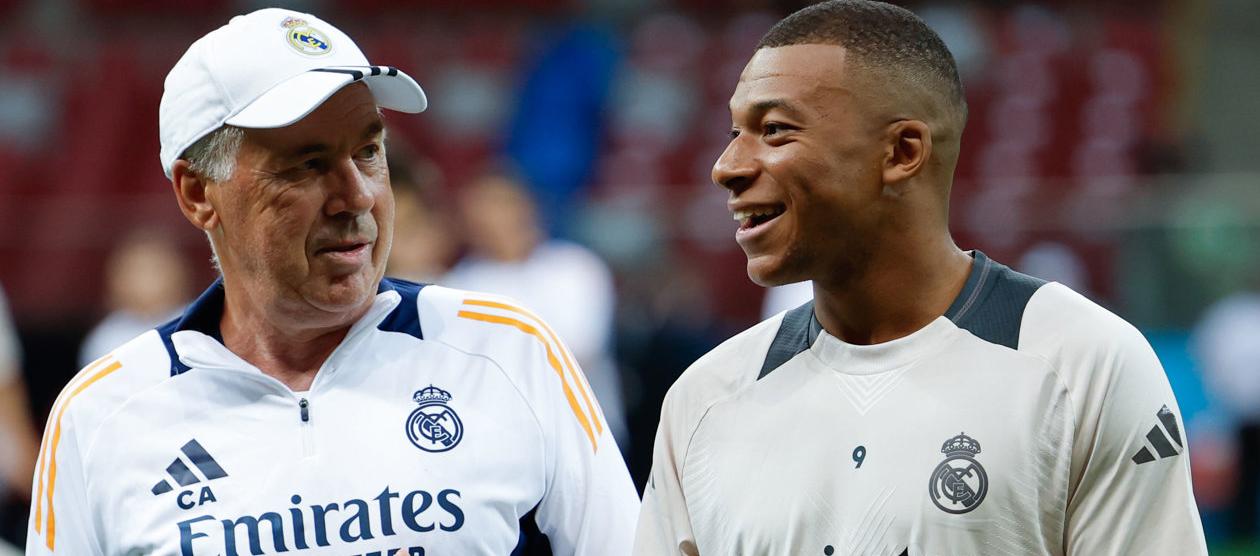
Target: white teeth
[{"x": 741, "y": 215}]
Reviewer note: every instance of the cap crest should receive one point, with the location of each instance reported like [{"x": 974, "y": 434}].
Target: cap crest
[
  {"x": 304, "y": 38},
  {"x": 243, "y": 74}
]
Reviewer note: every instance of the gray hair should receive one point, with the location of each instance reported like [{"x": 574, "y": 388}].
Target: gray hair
[{"x": 213, "y": 157}]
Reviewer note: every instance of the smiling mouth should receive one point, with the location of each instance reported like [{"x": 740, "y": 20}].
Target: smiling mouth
[{"x": 754, "y": 217}]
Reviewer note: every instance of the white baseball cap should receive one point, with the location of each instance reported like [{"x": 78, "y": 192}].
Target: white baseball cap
[{"x": 268, "y": 69}]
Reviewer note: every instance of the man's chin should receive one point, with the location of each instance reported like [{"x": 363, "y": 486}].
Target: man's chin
[
  {"x": 768, "y": 271},
  {"x": 344, "y": 293}
]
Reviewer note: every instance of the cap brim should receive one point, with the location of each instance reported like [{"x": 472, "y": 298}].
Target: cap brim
[{"x": 292, "y": 99}]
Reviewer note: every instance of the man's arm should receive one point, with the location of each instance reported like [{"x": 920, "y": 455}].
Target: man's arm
[
  {"x": 664, "y": 525},
  {"x": 1134, "y": 494},
  {"x": 590, "y": 504},
  {"x": 61, "y": 517}
]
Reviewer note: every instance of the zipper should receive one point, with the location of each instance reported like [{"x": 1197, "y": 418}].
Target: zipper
[{"x": 304, "y": 412}]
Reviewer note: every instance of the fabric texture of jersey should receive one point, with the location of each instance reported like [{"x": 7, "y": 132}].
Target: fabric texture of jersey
[
  {"x": 1027, "y": 420},
  {"x": 446, "y": 422}
]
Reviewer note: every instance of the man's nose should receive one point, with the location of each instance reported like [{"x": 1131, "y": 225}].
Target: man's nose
[
  {"x": 352, "y": 190},
  {"x": 736, "y": 169}
]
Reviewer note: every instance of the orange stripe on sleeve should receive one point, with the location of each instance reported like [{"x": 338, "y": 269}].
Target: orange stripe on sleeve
[
  {"x": 56, "y": 439},
  {"x": 48, "y": 431},
  {"x": 551, "y": 359},
  {"x": 39, "y": 493},
  {"x": 582, "y": 386}
]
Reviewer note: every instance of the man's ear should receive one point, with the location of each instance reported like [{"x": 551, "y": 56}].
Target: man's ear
[
  {"x": 191, "y": 194},
  {"x": 908, "y": 149}
]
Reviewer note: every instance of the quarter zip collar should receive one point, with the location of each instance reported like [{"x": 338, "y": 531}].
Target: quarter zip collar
[{"x": 194, "y": 340}]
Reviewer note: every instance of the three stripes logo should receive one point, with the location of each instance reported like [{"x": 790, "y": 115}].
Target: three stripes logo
[
  {"x": 183, "y": 475},
  {"x": 1159, "y": 439}
]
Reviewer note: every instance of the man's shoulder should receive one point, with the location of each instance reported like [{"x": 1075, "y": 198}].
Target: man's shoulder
[
  {"x": 518, "y": 343},
  {"x": 559, "y": 250},
  {"x": 488, "y": 325},
  {"x": 728, "y": 368},
  {"x": 1100, "y": 358},
  {"x": 107, "y": 384},
  {"x": 1022, "y": 312},
  {"x": 574, "y": 261},
  {"x": 1061, "y": 323}
]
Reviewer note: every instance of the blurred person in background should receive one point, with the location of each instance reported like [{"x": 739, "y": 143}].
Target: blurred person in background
[
  {"x": 571, "y": 287},
  {"x": 1040, "y": 422},
  {"x": 146, "y": 283},
  {"x": 786, "y": 297},
  {"x": 1227, "y": 343},
  {"x": 18, "y": 437},
  {"x": 1057, "y": 262},
  {"x": 424, "y": 241},
  {"x": 665, "y": 322},
  {"x": 304, "y": 400}
]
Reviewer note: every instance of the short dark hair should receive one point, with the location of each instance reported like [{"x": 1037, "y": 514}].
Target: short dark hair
[{"x": 878, "y": 35}]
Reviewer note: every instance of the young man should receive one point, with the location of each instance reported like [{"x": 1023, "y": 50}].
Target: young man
[
  {"x": 929, "y": 400},
  {"x": 305, "y": 402}
]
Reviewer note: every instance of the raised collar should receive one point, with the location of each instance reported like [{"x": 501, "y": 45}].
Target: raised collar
[{"x": 204, "y": 314}]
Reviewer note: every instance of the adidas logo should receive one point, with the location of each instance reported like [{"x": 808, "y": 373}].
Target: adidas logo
[
  {"x": 183, "y": 475},
  {"x": 1159, "y": 439}
]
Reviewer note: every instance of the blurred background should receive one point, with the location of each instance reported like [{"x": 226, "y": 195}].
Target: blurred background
[{"x": 1113, "y": 146}]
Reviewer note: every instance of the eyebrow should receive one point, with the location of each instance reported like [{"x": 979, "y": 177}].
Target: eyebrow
[
  {"x": 374, "y": 129},
  {"x": 763, "y": 106}
]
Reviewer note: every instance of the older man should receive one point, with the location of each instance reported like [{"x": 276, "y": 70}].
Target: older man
[{"x": 304, "y": 402}]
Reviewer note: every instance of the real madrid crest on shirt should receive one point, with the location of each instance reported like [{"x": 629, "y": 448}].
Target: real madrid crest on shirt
[
  {"x": 959, "y": 483},
  {"x": 434, "y": 426},
  {"x": 304, "y": 38}
]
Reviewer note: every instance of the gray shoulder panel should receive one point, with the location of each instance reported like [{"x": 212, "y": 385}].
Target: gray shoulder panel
[
  {"x": 796, "y": 333},
  {"x": 991, "y": 304}
]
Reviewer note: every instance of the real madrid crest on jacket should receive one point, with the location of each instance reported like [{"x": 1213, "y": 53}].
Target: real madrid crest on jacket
[
  {"x": 434, "y": 427},
  {"x": 1026, "y": 420},
  {"x": 438, "y": 426},
  {"x": 959, "y": 483}
]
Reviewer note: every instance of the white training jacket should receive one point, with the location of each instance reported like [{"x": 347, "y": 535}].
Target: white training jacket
[
  {"x": 1027, "y": 420},
  {"x": 446, "y": 422}
]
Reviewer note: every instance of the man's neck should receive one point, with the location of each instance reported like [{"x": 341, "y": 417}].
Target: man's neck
[
  {"x": 899, "y": 293},
  {"x": 287, "y": 349}
]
